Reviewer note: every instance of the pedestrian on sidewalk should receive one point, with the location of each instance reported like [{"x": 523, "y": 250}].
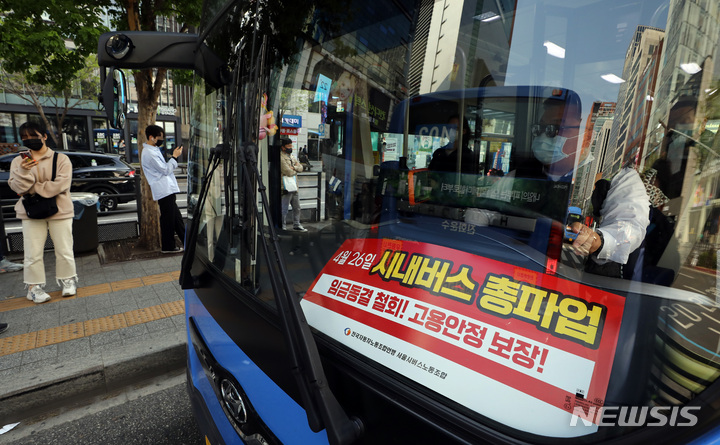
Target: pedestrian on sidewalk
[
  {"x": 48, "y": 174},
  {"x": 289, "y": 168},
  {"x": 160, "y": 176}
]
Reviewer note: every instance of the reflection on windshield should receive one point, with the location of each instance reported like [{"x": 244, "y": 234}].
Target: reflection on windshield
[{"x": 574, "y": 142}]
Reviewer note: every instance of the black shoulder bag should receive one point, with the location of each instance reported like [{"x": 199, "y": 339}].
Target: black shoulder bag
[{"x": 39, "y": 207}]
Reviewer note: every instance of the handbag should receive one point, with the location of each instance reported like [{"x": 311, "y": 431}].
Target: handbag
[
  {"x": 39, "y": 207},
  {"x": 290, "y": 183}
]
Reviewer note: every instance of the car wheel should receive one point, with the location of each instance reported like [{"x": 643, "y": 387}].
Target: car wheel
[{"x": 107, "y": 203}]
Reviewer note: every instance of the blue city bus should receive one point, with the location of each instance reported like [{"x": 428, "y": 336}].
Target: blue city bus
[{"x": 428, "y": 301}]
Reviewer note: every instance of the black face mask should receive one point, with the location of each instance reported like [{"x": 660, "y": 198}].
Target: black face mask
[
  {"x": 33, "y": 144},
  {"x": 160, "y": 143},
  {"x": 288, "y": 150}
]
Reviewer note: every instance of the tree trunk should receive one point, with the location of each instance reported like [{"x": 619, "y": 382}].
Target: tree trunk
[{"x": 150, "y": 215}]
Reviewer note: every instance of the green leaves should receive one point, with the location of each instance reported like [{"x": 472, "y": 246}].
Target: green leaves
[{"x": 48, "y": 41}]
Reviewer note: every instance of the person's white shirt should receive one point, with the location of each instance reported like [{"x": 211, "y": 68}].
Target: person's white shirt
[
  {"x": 625, "y": 217},
  {"x": 158, "y": 172}
]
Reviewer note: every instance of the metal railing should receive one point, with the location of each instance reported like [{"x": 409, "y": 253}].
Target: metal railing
[
  {"x": 317, "y": 185},
  {"x": 120, "y": 230}
]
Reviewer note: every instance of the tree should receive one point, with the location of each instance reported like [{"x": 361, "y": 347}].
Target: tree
[
  {"x": 83, "y": 91},
  {"x": 45, "y": 48}
]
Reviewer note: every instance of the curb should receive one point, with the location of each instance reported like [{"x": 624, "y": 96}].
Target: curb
[{"x": 59, "y": 385}]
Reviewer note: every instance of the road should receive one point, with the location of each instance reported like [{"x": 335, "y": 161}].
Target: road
[
  {"x": 158, "y": 413},
  {"x": 698, "y": 281}
]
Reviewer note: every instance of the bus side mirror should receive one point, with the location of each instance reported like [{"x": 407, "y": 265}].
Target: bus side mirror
[{"x": 114, "y": 96}]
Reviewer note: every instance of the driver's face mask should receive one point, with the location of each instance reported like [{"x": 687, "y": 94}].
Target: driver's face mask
[{"x": 549, "y": 150}]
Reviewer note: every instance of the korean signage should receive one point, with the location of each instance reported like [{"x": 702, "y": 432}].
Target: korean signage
[
  {"x": 445, "y": 318},
  {"x": 290, "y": 131},
  {"x": 291, "y": 121}
]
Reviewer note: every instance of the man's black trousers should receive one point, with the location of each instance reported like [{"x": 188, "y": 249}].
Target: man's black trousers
[{"x": 171, "y": 223}]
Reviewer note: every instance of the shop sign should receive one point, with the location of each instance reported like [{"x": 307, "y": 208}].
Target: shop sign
[{"x": 291, "y": 121}]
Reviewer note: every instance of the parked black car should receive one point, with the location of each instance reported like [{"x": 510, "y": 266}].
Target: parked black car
[{"x": 86, "y": 165}]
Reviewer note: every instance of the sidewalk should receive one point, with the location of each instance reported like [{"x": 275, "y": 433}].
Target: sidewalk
[{"x": 126, "y": 322}]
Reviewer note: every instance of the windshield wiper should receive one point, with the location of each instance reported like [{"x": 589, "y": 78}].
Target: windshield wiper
[
  {"x": 187, "y": 281},
  {"x": 322, "y": 408}
]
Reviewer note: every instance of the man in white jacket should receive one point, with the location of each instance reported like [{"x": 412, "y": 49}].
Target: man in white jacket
[{"x": 161, "y": 178}]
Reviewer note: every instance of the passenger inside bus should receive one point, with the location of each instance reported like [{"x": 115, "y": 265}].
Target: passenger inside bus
[{"x": 446, "y": 158}]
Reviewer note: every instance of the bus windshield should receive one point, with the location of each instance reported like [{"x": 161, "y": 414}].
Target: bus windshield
[{"x": 500, "y": 218}]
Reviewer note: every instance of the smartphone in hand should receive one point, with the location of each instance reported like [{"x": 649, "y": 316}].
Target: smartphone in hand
[{"x": 25, "y": 154}]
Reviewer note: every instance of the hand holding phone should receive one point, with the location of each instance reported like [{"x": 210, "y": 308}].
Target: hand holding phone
[{"x": 27, "y": 161}]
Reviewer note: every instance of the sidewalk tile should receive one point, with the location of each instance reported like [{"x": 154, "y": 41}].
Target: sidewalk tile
[
  {"x": 160, "y": 325},
  {"x": 79, "y": 347},
  {"x": 133, "y": 331},
  {"x": 11, "y": 361},
  {"x": 38, "y": 354},
  {"x": 103, "y": 339},
  {"x": 143, "y": 301}
]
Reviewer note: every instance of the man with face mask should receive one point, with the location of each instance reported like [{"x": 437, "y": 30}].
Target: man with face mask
[
  {"x": 160, "y": 175},
  {"x": 625, "y": 210},
  {"x": 445, "y": 159},
  {"x": 290, "y": 167}
]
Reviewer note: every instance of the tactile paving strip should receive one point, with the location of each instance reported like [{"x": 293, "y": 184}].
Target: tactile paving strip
[
  {"x": 144, "y": 315},
  {"x": 59, "y": 334},
  {"x": 32, "y": 340},
  {"x": 105, "y": 324},
  {"x": 18, "y": 343},
  {"x": 11, "y": 304}
]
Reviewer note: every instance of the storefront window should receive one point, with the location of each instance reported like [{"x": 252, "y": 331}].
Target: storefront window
[{"x": 6, "y": 128}]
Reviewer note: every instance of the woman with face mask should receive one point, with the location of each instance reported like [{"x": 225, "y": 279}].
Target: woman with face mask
[{"x": 32, "y": 174}]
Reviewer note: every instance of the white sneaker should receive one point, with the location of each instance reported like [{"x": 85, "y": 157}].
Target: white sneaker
[
  {"x": 8, "y": 266},
  {"x": 69, "y": 287},
  {"x": 37, "y": 295}
]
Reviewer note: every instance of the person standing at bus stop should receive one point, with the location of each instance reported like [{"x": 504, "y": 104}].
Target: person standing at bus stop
[
  {"x": 289, "y": 168},
  {"x": 47, "y": 174},
  {"x": 160, "y": 175}
]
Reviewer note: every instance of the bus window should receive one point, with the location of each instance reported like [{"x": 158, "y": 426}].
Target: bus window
[{"x": 438, "y": 295}]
